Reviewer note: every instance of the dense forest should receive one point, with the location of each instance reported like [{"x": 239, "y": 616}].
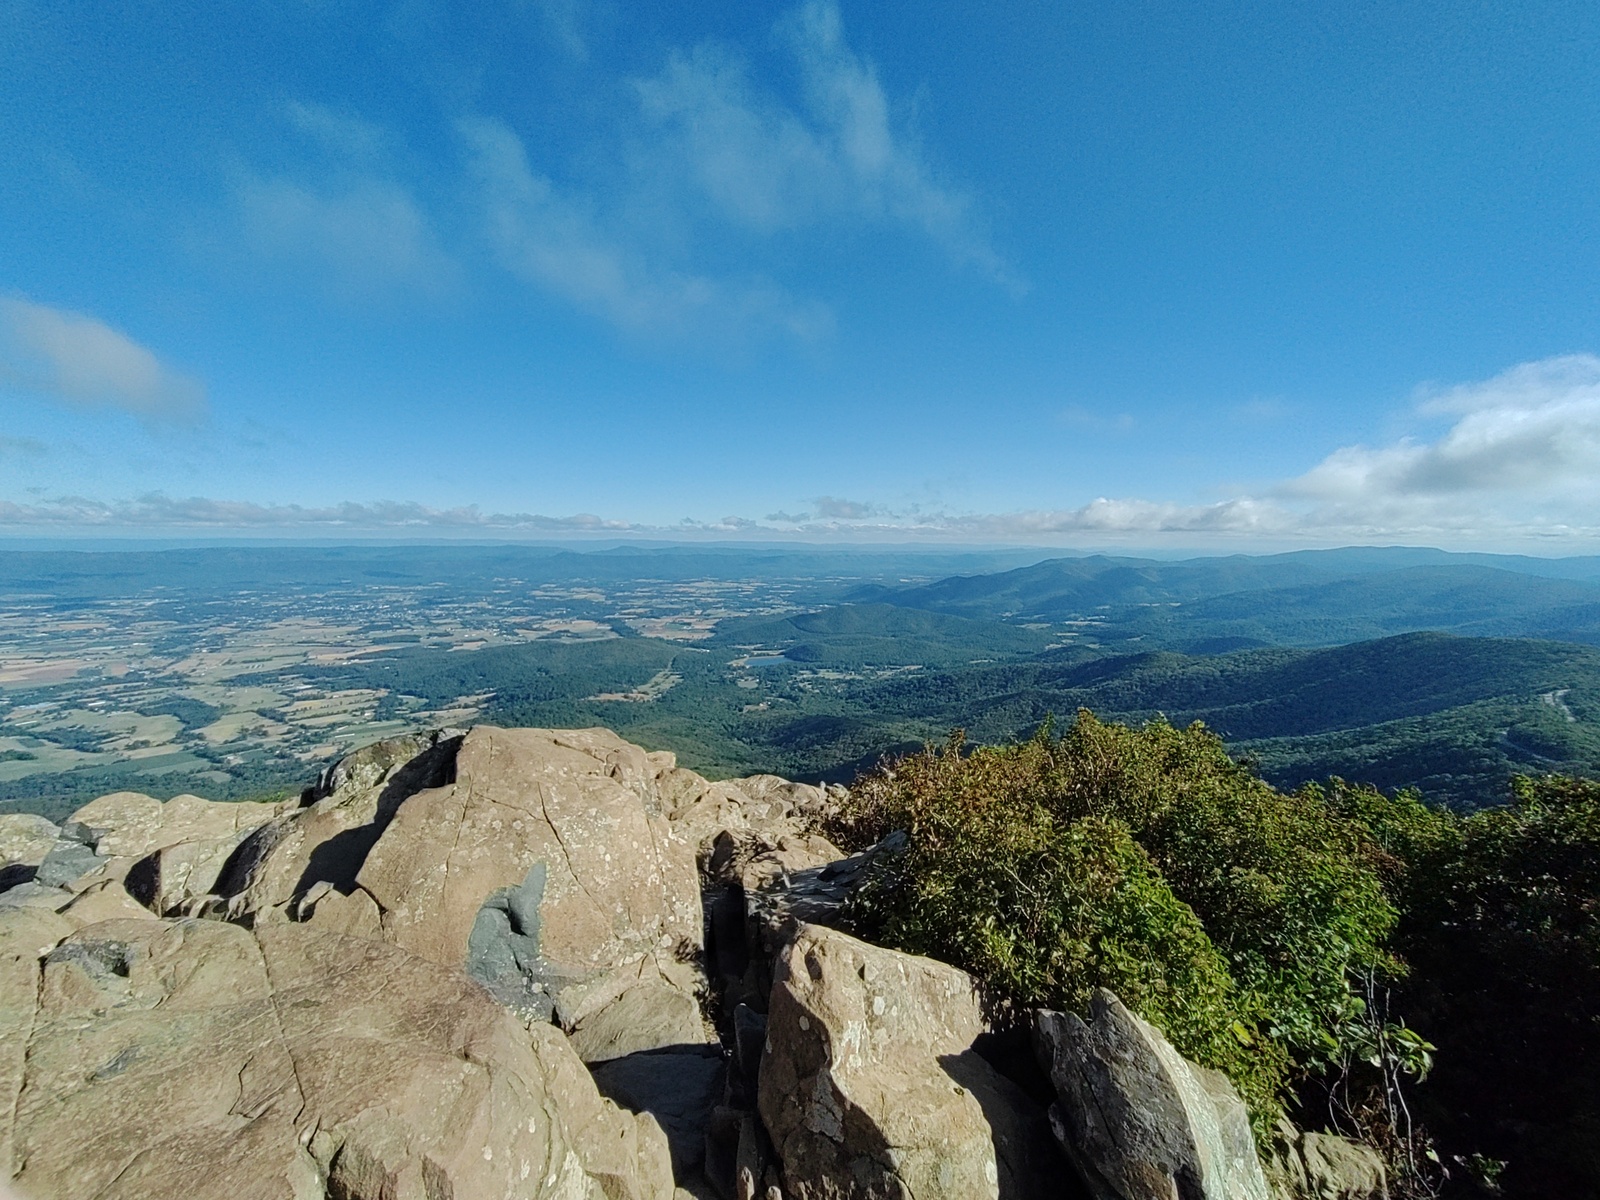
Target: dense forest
[{"x": 1457, "y": 717}]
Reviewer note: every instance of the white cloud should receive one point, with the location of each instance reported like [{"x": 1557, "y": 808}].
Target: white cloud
[
  {"x": 767, "y": 166},
  {"x": 1519, "y": 466},
  {"x": 1532, "y": 433},
  {"x": 559, "y": 243},
  {"x": 1519, "y": 463},
  {"x": 837, "y": 508},
  {"x": 75, "y": 358},
  {"x": 757, "y": 161}
]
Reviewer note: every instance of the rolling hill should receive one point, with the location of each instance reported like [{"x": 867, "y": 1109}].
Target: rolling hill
[{"x": 1304, "y": 599}]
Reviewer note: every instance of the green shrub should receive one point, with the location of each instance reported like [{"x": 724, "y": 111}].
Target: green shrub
[
  {"x": 1502, "y": 928},
  {"x": 1255, "y": 927},
  {"x": 1230, "y": 915}
]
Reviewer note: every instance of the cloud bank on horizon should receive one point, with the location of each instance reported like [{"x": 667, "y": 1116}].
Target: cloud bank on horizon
[{"x": 1519, "y": 464}]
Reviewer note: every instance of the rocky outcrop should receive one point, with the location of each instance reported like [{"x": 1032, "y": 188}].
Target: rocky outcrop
[
  {"x": 474, "y": 965},
  {"x": 764, "y": 807},
  {"x": 559, "y": 888},
  {"x": 870, "y": 1086},
  {"x": 164, "y": 852},
  {"x": 156, "y": 1058},
  {"x": 1139, "y": 1120}
]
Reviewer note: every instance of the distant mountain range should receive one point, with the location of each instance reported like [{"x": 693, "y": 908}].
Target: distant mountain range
[{"x": 1308, "y": 598}]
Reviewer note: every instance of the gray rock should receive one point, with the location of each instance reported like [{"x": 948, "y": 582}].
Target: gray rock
[
  {"x": 66, "y": 863},
  {"x": 1138, "y": 1120},
  {"x": 34, "y": 894},
  {"x": 503, "y": 948}
]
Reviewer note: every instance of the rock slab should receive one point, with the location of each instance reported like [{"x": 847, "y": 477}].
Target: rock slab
[
  {"x": 155, "y": 1058},
  {"x": 1139, "y": 1120}
]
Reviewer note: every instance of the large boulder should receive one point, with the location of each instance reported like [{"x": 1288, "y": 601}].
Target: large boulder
[
  {"x": 762, "y": 890},
  {"x": 1139, "y": 1120},
  {"x": 558, "y": 881},
  {"x": 539, "y": 860},
  {"x": 323, "y": 841},
  {"x": 25, "y": 839},
  {"x": 287, "y": 1063},
  {"x": 131, "y": 824},
  {"x": 870, "y": 1086}
]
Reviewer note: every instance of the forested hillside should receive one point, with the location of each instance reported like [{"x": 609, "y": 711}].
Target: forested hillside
[
  {"x": 1457, "y": 717},
  {"x": 1207, "y": 605}
]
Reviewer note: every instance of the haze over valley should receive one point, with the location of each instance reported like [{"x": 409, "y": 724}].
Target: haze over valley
[{"x": 233, "y": 671}]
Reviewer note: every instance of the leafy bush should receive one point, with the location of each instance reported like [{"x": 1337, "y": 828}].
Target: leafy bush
[
  {"x": 1502, "y": 928},
  {"x": 1230, "y": 915},
  {"x": 1279, "y": 937}
]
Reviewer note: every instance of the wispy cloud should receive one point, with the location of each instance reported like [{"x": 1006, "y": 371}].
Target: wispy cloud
[
  {"x": 344, "y": 218},
  {"x": 561, "y": 244},
  {"x": 82, "y": 361},
  {"x": 346, "y": 134},
  {"x": 563, "y": 21},
  {"x": 369, "y": 232},
  {"x": 768, "y": 165},
  {"x": 1078, "y": 417},
  {"x": 673, "y": 238}
]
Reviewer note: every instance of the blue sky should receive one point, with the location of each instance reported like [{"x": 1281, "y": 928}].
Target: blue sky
[{"x": 1143, "y": 274}]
